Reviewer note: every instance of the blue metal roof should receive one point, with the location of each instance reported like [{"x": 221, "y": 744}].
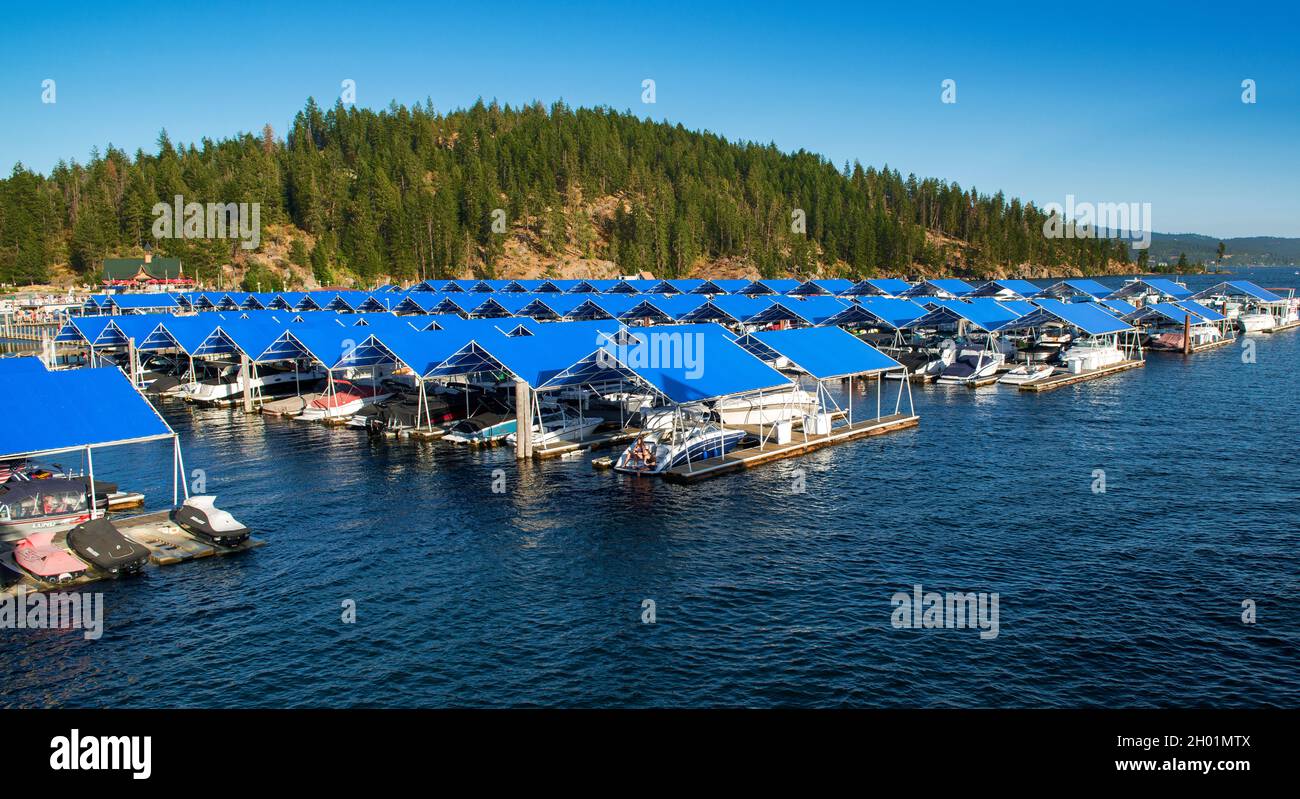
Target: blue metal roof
[
  {"x": 71, "y": 409},
  {"x": 823, "y": 352},
  {"x": 1238, "y": 288},
  {"x": 1089, "y": 317},
  {"x": 684, "y": 363}
]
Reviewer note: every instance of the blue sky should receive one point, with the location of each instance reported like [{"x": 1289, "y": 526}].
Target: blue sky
[{"x": 1119, "y": 104}]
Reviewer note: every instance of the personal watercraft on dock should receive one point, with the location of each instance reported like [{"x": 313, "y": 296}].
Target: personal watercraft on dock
[
  {"x": 98, "y": 543},
  {"x": 199, "y": 517}
]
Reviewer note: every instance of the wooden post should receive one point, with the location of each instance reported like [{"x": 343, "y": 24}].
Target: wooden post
[
  {"x": 133, "y": 370},
  {"x": 245, "y": 379},
  {"x": 523, "y": 421},
  {"x": 1187, "y": 334}
]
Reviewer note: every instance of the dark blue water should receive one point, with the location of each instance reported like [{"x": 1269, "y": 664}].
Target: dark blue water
[{"x": 764, "y": 596}]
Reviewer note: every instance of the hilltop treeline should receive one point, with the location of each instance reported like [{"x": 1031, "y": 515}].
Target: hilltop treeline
[{"x": 409, "y": 192}]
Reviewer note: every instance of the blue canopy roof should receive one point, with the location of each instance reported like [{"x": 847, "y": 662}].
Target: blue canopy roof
[
  {"x": 982, "y": 312},
  {"x": 1207, "y": 314},
  {"x": 823, "y": 352},
  {"x": 1089, "y": 317},
  {"x": 1166, "y": 312},
  {"x": 684, "y": 363},
  {"x": 1077, "y": 287},
  {"x": 1238, "y": 288},
  {"x": 143, "y": 301},
  {"x": 71, "y": 409},
  {"x": 1022, "y": 289}
]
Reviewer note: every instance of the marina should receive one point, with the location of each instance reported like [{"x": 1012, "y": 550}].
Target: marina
[{"x": 817, "y": 403}]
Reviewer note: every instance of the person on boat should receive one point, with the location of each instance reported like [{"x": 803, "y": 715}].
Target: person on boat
[{"x": 643, "y": 454}]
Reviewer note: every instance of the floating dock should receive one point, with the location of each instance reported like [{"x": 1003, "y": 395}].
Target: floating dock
[
  {"x": 596, "y": 441},
  {"x": 1068, "y": 379},
  {"x": 1209, "y": 345},
  {"x": 748, "y": 457},
  {"x": 167, "y": 542}
]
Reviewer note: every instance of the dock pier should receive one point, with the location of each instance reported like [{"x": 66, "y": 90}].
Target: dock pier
[
  {"x": 749, "y": 457},
  {"x": 1068, "y": 379}
]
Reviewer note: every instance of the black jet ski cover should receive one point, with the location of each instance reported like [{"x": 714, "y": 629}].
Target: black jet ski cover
[{"x": 100, "y": 544}]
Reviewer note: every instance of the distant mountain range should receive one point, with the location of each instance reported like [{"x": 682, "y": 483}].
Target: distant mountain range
[{"x": 1260, "y": 250}]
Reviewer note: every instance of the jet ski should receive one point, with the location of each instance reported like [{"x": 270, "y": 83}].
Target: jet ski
[
  {"x": 99, "y": 543},
  {"x": 46, "y": 557},
  {"x": 201, "y": 519}
]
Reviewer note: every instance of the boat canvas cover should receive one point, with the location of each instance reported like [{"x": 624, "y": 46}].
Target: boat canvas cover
[
  {"x": 825, "y": 352},
  {"x": 72, "y": 409}
]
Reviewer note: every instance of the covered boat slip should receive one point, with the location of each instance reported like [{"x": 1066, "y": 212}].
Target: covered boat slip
[
  {"x": 83, "y": 411},
  {"x": 1239, "y": 299},
  {"x": 727, "y": 370},
  {"x": 1184, "y": 327},
  {"x": 1095, "y": 328}
]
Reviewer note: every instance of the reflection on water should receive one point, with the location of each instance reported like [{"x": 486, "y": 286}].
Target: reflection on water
[{"x": 764, "y": 596}]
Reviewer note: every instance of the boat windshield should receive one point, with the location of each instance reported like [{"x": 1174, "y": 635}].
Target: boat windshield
[{"x": 42, "y": 501}]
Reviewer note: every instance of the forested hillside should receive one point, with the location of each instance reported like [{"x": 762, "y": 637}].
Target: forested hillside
[{"x": 411, "y": 193}]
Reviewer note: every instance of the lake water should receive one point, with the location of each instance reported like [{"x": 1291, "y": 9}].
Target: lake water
[{"x": 764, "y": 595}]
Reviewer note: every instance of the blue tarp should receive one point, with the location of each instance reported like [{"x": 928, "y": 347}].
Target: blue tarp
[
  {"x": 71, "y": 409},
  {"x": 824, "y": 352}
]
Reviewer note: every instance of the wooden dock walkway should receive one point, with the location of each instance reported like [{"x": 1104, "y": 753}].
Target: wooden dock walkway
[
  {"x": 596, "y": 441},
  {"x": 167, "y": 543},
  {"x": 749, "y": 457},
  {"x": 1061, "y": 381}
]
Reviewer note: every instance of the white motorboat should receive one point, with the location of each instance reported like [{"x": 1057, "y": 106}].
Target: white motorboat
[
  {"x": 561, "y": 426},
  {"x": 1027, "y": 373},
  {"x": 767, "y": 408},
  {"x": 228, "y": 384},
  {"x": 347, "y": 399},
  {"x": 657, "y": 451},
  {"x": 1256, "y": 322},
  {"x": 1088, "y": 354},
  {"x": 971, "y": 366}
]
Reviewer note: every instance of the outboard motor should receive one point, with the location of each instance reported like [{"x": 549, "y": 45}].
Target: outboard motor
[{"x": 202, "y": 519}]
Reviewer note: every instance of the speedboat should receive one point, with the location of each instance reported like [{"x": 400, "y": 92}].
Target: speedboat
[
  {"x": 228, "y": 384},
  {"x": 1027, "y": 373},
  {"x": 485, "y": 428},
  {"x": 36, "y": 506},
  {"x": 100, "y": 544},
  {"x": 1087, "y": 354},
  {"x": 1256, "y": 322},
  {"x": 971, "y": 366},
  {"x": 346, "y": 400},
  {"x": 201, "y": 518},
  {"x": 560, "y": 426},
  {"x": 1172, "y": 340},
  {"x": 926, "y": 363},
  {"x": 405, "y": 411},
  {"x": 767, "y": 408},
  {"x": 657, "y": 451},
  {"x": 46, "y": 557}
]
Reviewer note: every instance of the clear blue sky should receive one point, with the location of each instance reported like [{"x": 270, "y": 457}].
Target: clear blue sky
[{"x": 1115, "y": 104}]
